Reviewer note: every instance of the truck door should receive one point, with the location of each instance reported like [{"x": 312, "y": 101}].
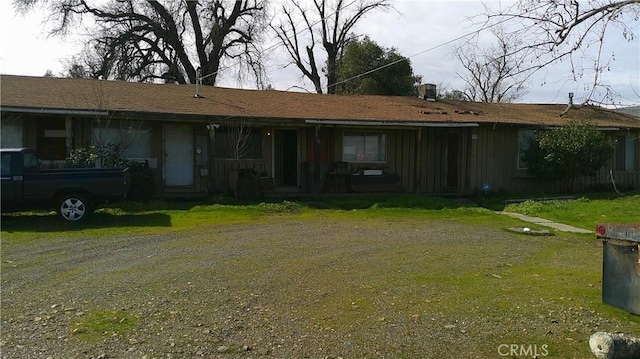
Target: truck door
[
  {"x": 33, "y": 186},
  {"x": 11, "y": 184}
]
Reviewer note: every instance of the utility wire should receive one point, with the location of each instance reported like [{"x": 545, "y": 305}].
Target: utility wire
[{"x": 485, "y": 27}]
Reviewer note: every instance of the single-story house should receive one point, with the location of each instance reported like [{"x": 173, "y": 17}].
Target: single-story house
[{"x": 192, "y": 137}]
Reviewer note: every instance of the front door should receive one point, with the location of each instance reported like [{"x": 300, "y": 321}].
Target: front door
[
  {"x": 178, "y": 155},
  {"x": 286, "y": 157}
]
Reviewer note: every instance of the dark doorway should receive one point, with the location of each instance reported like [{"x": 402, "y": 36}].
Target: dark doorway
[
  {"x": 51, "y": 140},
  {"x": 453, "y": 145},
  {"x": 286, "y": 157}
]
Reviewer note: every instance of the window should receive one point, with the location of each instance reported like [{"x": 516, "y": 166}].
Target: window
[
  {"x": 131, "y": 138},
  {"x": 30, "y": 162},
  {"x": 524, "y": 142},
  {"x": 364, "y": 146},
  {"x": 11, "y": 133},
  {"x": 626, "y": 153},
  {"x": 239, "y": 141},
  {"x": 6, "y": 164}
]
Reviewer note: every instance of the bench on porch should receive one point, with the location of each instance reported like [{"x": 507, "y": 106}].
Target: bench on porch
[{"x": 368, "y": 179}]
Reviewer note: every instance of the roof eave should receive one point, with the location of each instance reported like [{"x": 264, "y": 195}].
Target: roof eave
[
  {"x": 392, "y": 123},
  {"x": 54, "y": 111}
]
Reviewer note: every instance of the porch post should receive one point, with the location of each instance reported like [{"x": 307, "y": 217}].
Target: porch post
[
  {"x": 68, "y": 127},
  {"x": 211, "y": 127},
  {"x": 316, "y": 161}
]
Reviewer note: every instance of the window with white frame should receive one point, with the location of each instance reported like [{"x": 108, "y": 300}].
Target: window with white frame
[
  {"x": 524, "y": 142},
  {"x": 131, "y": 138},
  {"x": 626, "y": 153},
  {"x": 364, "y": 146}
]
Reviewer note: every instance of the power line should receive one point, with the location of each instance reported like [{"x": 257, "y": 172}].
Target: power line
[{"x": 485, "y": 27}]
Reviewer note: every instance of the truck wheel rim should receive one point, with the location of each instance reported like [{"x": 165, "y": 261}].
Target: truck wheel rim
[{"x": 72, "y": 209}]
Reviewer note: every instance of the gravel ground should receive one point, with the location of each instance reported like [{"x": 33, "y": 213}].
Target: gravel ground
[{"x": 289, "y": 288}]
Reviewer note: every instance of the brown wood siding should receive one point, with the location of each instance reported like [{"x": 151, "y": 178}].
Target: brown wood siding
[
  {"x": 224, "y": 166},
  {"x": 626, "y": 181},
  {"x": 494, "y": 151},
  {"x": 493, "y": 160},
  {"x": 444, "y": 154},
  {"x": 432, "y": 161},
  {"x": 329, "y": 140},
  {"x": 401, "y": 156},
  {"x": 486, "y": 154}
]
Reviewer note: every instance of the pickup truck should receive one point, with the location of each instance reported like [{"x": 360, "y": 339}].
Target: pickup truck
[{"x": 73, "y": 193}]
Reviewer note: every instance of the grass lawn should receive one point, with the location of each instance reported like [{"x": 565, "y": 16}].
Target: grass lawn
[
  {"x": 406, "y": 276},
  {"x": 583, "y": 212}
]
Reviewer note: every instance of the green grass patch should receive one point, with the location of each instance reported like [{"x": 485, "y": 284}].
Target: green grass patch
[
  {"x": 583, "y": 212},
  {"x": 95, "y": 325},
  {"x": 151, "y": 217}
]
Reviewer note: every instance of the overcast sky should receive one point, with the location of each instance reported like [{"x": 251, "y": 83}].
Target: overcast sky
[{"x": 422, "y": 30}]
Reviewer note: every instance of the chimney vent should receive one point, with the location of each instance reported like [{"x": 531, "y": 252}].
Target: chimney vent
[
  {"x": 198, "y": 83},
  {"x": 427, "y": 92}
]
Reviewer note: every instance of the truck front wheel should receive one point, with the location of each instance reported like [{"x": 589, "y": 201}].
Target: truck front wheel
[{"x": 73, "y": 207}]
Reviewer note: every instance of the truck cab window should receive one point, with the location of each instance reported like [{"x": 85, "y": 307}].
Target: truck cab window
[
  {"x": 6, "y": 164},
  {"x": 31, "y": 162}
]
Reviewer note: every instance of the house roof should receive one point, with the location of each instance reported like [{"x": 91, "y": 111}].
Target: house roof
[{"x": 82, "y": 96}]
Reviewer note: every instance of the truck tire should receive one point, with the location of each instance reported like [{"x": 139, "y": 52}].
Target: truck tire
[{"x": 73, "y": 207}]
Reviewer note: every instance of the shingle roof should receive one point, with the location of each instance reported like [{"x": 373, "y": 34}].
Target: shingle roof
[{"x": 178, "y": 100}]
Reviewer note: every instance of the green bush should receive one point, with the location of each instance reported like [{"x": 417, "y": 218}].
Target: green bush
[
  {"x": 286, "y": 207},
  {"x": 110, "y": 157},
  {"x": 82, "y": 158},
  {"x": 577, "y": 148}
]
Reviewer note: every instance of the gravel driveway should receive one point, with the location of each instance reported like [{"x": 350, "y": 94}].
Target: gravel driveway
[{"x": 286, "y": 288}]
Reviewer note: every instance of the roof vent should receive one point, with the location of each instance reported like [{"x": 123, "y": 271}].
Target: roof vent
[
  {"x": 427, "y": 92},
  {"x": 198, "y": 83}
]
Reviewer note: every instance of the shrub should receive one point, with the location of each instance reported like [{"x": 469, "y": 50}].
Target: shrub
[
  {"x": 109, "y": 157},
  {"x": 577, "y": 148},
  {"x": 82, "y": 158}
]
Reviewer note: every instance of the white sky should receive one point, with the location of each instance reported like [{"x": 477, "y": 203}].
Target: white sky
[{"x": 416, "y": 28}]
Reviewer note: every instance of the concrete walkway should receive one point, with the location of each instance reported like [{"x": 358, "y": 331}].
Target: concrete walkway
[{"x": 547, "y": 223}]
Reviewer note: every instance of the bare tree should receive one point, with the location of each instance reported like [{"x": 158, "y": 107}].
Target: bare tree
[
  {"x": 492, "y": 74},
  {"x": 239, "y": 139},
  {"x": 150, "y": 40},
  {"x": 569, "y": 30},
  {"x": 74, "y": 68},
  {"x": 328, "y": 24}
]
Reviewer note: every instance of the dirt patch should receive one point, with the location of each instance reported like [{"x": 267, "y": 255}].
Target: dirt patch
[{"x": 314, "y": 288}]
